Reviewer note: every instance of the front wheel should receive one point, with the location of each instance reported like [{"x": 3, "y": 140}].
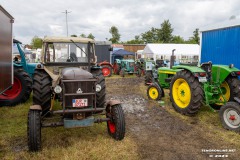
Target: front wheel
[
  {"x": 230, "y": 116},
  {"x": 116, "y": 124},
  {"x": 34, "y": 130},
  {"x": 154, "y": 92},
  {"x": 122, "y": 73}
]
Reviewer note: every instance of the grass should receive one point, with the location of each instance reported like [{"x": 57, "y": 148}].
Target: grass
[
  {"x": 59, "y": 143},
  {"x": 94, "y": 142},
  {"x": 207, "y": 121}
]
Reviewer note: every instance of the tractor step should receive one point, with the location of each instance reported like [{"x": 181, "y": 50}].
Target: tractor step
[
  {"x": 168, "y": 79},
  {"x": 71, "y": 123}
]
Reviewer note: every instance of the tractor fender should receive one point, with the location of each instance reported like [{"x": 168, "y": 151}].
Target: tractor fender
[
  {"x": 106, "y": 63},
  {"x": 35, "y": 107},
  {"x": 17, "y": 65},
  {"x": 221, "y": 72},
  {"x": 193, "y": 69},
  {"x": 112, "y": 103}
]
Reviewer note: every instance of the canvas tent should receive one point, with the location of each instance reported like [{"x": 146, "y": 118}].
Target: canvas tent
[
  {"x": 164, "y": 51},
  {"x": 121, "y": 53}
]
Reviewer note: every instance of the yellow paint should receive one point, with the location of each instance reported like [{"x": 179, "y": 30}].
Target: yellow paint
[
  {"x": 181, "y": 93},
  {"x": 153, "y": 93},
  {"x": 225, "y": 87},
  {"x": 167, "y": 72}
]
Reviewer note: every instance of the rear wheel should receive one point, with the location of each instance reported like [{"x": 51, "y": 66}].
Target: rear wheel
[
  {"x": 34, "y": 130},
  {"x": 42, "y": 90},
  {"x": 102, "y": 93},
  {"x": 186, "y": 93},
  {"x": 230, "y": 89},
  {"x": 106, "y": 70},
  {"x": 116, "y": 124},
  {"x": 116, "y": 69},
  {"x": 154, "y": 92},
  {"x": 20, "y": 90},
  {"x": 230, "y": 116},
  {"x": 122, "y": 73}
]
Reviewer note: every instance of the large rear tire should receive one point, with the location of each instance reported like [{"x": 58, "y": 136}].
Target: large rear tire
[
  {"x": 106, "y": 70},
  {"x": 186, "y": 93},
  {"x": 20, "y": 91},
  {"x": 102, "y": 93},
  {"x": 230, "y": 88},
  {"x": 230, "y": 116},
  {"x": 116, "y": 124},
  {"x": 42, "y": 90},
  {"x": 34, "y": 130}
]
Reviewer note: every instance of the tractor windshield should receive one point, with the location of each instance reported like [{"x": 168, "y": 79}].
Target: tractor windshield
[{"x": 67, "y": 52}]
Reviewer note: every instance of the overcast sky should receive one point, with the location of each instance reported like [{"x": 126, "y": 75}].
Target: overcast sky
[{"x": 131, "y": 17}]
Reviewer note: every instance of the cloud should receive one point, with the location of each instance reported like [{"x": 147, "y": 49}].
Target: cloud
[{"x": 131, "y": 17}]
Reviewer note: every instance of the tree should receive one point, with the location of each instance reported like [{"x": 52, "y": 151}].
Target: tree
[
  {"x": 137, "y": 40},
  {"x": 165, "y": 32},
  {"x": 83, "y": 35},
  {"x": 90, "y": 36},
  {"x": 115, "y": 34},
  {"x": 195, "y": 38},
  {"x": 151, "y": 36},
  {"x": 177, "y": 39},
  {"x": 73, "y": 35},
  {"x": 36, "y": 42}
]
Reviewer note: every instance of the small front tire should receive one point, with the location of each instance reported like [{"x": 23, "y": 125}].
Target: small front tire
[
  {"x": 154, "y": 92},
  {"x": 34, "y": 130},
  {"x": 230, "y": 116},
  {"x": 116, "y": 124}
]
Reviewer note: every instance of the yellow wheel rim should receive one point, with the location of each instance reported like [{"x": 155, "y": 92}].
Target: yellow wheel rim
[
  {"x": 181, "y": 93},
  {"x": 153, "y": 93},
  {"x": 226, "y": 92}
]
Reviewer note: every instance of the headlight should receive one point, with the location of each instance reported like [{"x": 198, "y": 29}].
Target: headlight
[
  {"x": 231, "y": 65},
  {"x": 57, "y": 89},
  {"x": 98, "y": 88}
]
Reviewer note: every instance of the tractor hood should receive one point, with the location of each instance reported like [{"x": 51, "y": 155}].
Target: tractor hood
[{"x": 74, "y": 73}]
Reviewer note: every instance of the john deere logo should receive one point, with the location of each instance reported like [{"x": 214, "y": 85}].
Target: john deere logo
[{"x": 79, "y": 90}]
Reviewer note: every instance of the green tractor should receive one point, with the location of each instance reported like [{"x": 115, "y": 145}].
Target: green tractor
[
  {"x": 126, "y": 66},
  {"x": 192, "y": 86}
]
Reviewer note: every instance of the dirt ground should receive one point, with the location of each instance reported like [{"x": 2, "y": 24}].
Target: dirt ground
[{"x": 158, "y": 133}]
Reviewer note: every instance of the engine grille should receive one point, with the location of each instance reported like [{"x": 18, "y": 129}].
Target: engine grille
[{"x": 79, "y": 89}]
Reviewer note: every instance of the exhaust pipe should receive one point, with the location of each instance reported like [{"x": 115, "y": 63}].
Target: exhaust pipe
[{"x": 172, "y": 59}]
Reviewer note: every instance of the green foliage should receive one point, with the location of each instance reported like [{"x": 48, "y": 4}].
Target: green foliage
[
  {"x": 165, "y": 33},
  {"x": 115, "y": 34},
  {"x": 73, "y": 35},
  {"x": 36, "y": 42},
  {"x": 177, "y": 40},
  {"x": 83, "y": 35},
  {"x": 159, "y": 35},
  {"x": 137, "y": 40},
  {"x": 195, "y": 38},
  {"x": 90, "y": 36},
  {"x": 151, "y": 36}
]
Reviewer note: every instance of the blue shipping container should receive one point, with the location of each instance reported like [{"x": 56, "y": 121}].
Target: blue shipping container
[{"x": 221, "y": 46}]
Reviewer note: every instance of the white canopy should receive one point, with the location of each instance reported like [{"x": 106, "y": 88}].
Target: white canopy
[{"x": 158, "y": 50}]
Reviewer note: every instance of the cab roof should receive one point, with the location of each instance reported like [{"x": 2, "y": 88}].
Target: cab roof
[{"x": 67, "y": 39}]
